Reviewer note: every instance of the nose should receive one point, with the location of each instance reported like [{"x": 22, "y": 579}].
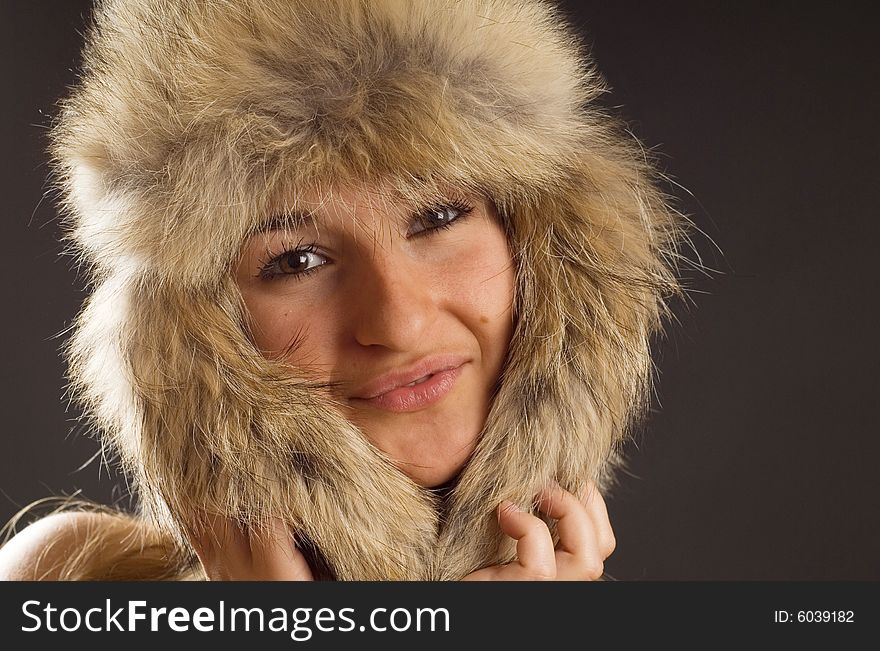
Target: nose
[{"x": 393, "y": 305}]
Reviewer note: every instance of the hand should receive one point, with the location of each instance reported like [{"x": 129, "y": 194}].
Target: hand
[
  {"x": 229, "y": 553},
  {"x": 585, "y": 539}
]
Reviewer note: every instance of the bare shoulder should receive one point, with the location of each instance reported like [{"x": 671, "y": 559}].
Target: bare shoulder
[{"x": 41, "y": 550}]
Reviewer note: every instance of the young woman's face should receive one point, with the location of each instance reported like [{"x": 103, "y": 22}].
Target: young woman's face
[{"x": 372, "y": 296}]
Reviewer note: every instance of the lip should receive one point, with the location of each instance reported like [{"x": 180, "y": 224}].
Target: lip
[
  {"x": 389, "y": 392},
  {"x": 420, "y": 396}
]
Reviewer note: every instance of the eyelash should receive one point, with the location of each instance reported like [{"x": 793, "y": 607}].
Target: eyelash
[{"x": 266, "y": 266}]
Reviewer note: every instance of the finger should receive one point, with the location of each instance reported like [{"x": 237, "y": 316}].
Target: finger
[
  {"x": 534, "y": 546},
  {"x": 275, "y": 556},
  {"x": 578, "y": 556},
  {"x": 592, "y": 500}
]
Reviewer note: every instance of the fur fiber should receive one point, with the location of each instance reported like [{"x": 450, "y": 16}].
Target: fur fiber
[{"x": 195, "y": 120}]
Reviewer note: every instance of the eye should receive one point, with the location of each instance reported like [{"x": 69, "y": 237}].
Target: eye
[
  {"x": 296, "y": 262},
  {"x": 438, "y": 217}
]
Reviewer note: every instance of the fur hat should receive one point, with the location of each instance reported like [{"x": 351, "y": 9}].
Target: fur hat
[{"x": 194, "y": 121}]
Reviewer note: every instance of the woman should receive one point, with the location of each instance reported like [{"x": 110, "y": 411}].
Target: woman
[{"x": 374, "y": 285}]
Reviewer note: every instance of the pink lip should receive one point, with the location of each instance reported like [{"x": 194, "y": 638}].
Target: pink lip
[
  {"x": 405, "y": 399},
  {"x": 389, "y": 391},
  {"x": 405, "y": 375}
]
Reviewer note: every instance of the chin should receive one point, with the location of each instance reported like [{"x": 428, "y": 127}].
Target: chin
[{"x": 429, "y": 456}]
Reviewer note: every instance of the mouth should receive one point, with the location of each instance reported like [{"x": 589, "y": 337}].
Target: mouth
[
  {"x": 410, "y": 375},
  {"x": 418, "y": 394}
]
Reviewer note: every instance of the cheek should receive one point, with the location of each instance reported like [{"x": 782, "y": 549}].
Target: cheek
[
  {"x": 480, "y": 288},
  {"x": 284, "y": 329}
]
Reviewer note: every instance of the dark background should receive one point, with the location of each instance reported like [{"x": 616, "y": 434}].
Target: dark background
[{"x": 759, "y": 460}]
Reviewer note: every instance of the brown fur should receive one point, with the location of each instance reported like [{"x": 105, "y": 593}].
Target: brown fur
[{"x": 194, "y": 121}]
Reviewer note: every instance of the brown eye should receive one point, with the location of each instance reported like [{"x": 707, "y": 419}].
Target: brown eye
[
  {"x": 437, "y": 218},
  {"x": 298, "y": 262}
]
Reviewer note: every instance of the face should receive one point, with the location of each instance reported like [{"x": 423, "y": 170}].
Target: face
[{"x": 407, "y": 313}]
